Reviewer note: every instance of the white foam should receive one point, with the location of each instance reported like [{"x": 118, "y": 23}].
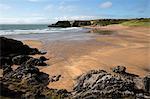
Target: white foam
[{"x": 36, "y": 31}]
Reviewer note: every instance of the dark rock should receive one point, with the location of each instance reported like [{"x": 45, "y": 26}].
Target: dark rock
[
  {"x": 13, "y": 47},
  {"x": 97, "y": 84},
  {"x": 18, "y": 60},
  {"x": 7, "y": 69},
  {"x": 10, "y": 48},
  {"x": 5, "y": 61},
  {"x": 36, "y": 62},
  {"x": 55, "y": 78},
  {"x": 26, "y": 80},
  {"x": 62, "y": 24},
  {"x": 147, "y": 83},
  {"x": 119, "y": 69},
  {"x": 43, "y": 58}
]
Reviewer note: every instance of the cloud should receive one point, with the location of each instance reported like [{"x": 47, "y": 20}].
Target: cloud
[
  {"x": 29, "y": 20},
  {"x": 4, "y": 7},
  {"x": 105, "y": 5},
  {"x": 76, "y": 18}
]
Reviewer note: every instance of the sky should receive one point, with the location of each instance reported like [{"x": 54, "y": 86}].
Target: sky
[{"x": 50, "y": 11}]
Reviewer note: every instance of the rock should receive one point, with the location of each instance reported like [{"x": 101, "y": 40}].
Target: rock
[
  {"x": 147, "y": 83},
  {"x": 36, "y": 62},
  {"x": 55, "y": 78},
  {"x": 7, "y": 69},
  {"x": 26, "y": 80},
  {"x": 5, "y": 61},
  {"x": 43, "y": 58},
  {"x": 97, "y": 84},
  {"x": 18, "y": 60},
  {"x": 119, "y": 69},
  {"x": 62, "y": 24},
  {"x": 10, "y": 48},
  {"x": 81, "y": 23}
]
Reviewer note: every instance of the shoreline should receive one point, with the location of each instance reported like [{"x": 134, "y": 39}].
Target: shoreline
[{"x": 128, "y": 47}]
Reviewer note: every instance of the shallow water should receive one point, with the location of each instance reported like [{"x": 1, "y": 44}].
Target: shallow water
[{"x": 42, "y": 32}]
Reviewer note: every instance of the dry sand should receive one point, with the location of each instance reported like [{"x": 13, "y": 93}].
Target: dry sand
[{"x": 129, "y": 46}]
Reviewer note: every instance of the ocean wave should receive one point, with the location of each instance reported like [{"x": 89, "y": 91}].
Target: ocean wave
[{"x": 36, "y": 31}]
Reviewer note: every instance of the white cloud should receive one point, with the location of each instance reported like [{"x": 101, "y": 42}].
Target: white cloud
[
  {"x": 107, "y": 4},
  {"x": 4, "y": 7},
  {"x": 29, "y": 20},
  {"x": 76, "y": 18}
]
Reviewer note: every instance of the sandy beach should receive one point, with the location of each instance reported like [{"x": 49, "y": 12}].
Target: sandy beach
[{"x": 127, "y": 46}]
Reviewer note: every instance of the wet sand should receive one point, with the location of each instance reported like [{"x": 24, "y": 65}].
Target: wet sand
[{"x": 129, "y": 46}]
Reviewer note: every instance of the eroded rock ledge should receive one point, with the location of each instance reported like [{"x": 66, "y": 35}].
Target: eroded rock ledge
[{"x": 99, "y": 84}]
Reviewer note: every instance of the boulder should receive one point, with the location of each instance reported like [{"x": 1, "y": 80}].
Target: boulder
[
  {"x": 119, "y": 69},
  {"x": 11, "y": 47},
  {"x": 18, "y": 60}
]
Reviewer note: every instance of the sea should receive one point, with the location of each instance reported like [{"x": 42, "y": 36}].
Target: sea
[{"x": 42, "y": 31}]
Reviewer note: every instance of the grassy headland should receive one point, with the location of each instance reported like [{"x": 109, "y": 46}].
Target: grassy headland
[{"x": 126, "y": 22}]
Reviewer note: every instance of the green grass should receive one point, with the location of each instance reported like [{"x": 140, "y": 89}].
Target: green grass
[{"x": 144, "y": 22}]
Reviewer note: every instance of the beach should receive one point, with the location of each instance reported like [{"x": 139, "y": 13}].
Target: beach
[{"x": 127, "y": 46}]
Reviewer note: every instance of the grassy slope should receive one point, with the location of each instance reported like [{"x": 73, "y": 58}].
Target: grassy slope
[{"x": 143, "y": 22}]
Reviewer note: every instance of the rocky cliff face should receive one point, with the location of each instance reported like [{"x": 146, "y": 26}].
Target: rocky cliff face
[
  {"x": 62, "y": 24},
  {"x": 65, "y": 24}
]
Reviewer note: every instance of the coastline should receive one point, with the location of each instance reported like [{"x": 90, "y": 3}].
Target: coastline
[{"x": 128, "y": 47}]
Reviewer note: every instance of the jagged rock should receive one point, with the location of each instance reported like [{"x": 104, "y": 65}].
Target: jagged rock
[
  {"x": 43, "y": 58},
  {"x": 62, "y": 24},
  {"x": 18, "y": 60},
  {"x": 55, "y": 78},
  {"x": 97, "y": 84},
  {"x": 10, "y": 48},
  {"x": 5, "y": 61},
  {"x": 147, "y": 83},
  {"x": 119, "y": 69},
  {"x": 7, "y": 69},
  {"x": 36, "y": 62}
]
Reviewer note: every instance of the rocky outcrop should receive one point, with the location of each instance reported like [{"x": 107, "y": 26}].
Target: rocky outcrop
[
  {"x": 97, "y": 84},
  {"x": 27, "y": 82},
  {"x": 62, "y": 24},
  {"x": 65, "y": 24},
  {"x": 10, "y": 48},
  {"x": 81, "y": 23}
]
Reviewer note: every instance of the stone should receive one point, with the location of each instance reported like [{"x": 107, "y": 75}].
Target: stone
[
  {"x": 119, "y": 69},
  {"x": 99, "y": 84},
  {"x": 18, "y": 60},
  {"x": 147, "y": 83},
  {"x": 43, "y": 58},
  {"x": 62, "y": 24}
]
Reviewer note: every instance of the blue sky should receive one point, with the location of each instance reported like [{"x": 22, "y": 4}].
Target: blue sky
[{"x": 49, "y": 11}]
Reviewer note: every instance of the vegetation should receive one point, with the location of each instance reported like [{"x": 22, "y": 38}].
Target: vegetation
[
  {"x": 127, "y": 22},
  {"x": 139, "y": 22}
]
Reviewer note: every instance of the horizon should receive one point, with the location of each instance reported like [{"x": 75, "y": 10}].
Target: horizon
[{"x": 42, "y": 11}]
